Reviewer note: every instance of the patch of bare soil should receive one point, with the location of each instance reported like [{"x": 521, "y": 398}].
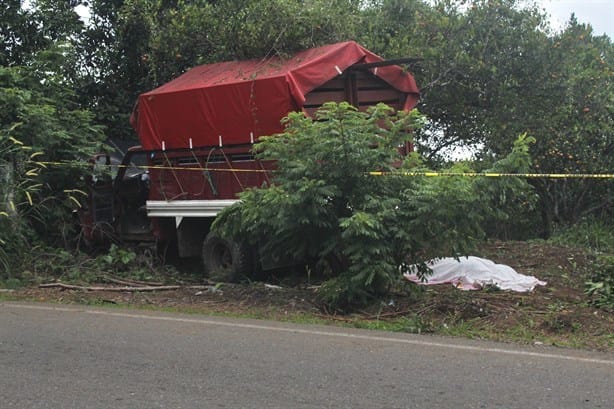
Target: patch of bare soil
[{"x": 557, "y": 314}]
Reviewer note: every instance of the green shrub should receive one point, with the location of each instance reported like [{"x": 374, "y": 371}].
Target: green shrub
[
  {"x": 38, "y": 110},
  {"x": 593, "y": 233},
  {"x": 43, "y": 263},
  {"x": 19, "y": 183},
  {"x": 600, "y": 287},
  {"x": 11, "y": 284},
  {"x": 127, "y": 263},
  {"x": 512, "y": 200},
  {"x": 326, "y": 207}
]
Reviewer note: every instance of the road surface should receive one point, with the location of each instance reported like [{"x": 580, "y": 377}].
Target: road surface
[{"x": 54, "y": 356}]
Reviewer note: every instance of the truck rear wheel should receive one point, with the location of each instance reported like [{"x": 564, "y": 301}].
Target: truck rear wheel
[{"x": 226, "y": 260}]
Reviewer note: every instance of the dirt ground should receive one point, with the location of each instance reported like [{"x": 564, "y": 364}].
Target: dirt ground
[{"x": 557, "y": 314}]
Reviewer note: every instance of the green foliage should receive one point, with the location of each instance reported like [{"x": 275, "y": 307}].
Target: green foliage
[
  {"x": 181, "y": 36},
  {"x": 591, "y": 233},
  {"x": 127, "y": 263},
  {"x": 493, "y": 70},
  {"x": 19, "y": 184},
  {"x": 26, "y": 31},
  {"x": 412, "y": 324},
  {"x": 325, "y": 208},
  {"x": 43, "y": 263},
  {"x": 512, "y": 200},
  {"x": 39, "y": 123},
  {"x": 37, "y": 108},
  {"x": 11, "y": 283},
  {"x": 479, "y": 59},
  {"x": 117, "y": 258},
  {"x": 14, "y": 29},
  {"x": 601, "y": 284},
  {"x": 578, "y": 130}
]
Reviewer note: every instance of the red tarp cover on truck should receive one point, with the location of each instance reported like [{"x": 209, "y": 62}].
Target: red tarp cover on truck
[{"x": 239, "y": 99}]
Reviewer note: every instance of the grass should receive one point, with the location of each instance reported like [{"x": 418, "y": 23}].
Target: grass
[
  {"x": 524, "y": 332},
  {"x": 412, "y": 324},
  {"x": 558, "y": 314},
  {"x": 596, "y": 235}
]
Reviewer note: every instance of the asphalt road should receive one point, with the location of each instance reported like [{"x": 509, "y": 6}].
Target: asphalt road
[{"x": 83, "y": 357}]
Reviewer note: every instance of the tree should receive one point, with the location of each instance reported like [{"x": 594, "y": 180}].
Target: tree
[
  {"x": 37, "y": 109},
  {"x": 38, "y": 103},
  {"x": 577, "y": 133},
  {"x": 112, "y": 57},
  {"x": 493, "y": 70},
  {"x": 26, "y": 31},
  {"x": 18, "y": 33},
  {"x": 326, "y": 209},
  {"x": 471, "y": 52},
  {"x": 568, "y": 108}
]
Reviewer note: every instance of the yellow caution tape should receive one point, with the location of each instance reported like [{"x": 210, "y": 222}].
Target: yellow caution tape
[
  {"x": 499, "y": 175},
  {"x": 379, "y": 173}
]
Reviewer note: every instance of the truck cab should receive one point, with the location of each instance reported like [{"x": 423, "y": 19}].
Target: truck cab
[{"x": 114, "y": 210}]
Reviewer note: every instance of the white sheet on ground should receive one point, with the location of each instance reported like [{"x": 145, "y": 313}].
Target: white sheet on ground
[{"x": 473, "y": 273}]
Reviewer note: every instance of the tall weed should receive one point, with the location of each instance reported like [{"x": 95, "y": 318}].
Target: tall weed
[
  {"x": 594, "y": 234},
  {"x": 601, "y": 285}
]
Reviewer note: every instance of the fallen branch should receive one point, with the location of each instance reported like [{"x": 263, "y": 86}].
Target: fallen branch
[
  {"x": 131, "y": 283},
  {"x": 391, "y": 314},
  {"x": 120, "y": 289}
]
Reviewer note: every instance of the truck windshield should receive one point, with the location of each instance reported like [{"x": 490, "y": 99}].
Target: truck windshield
[{"x": 137, "y": 165}]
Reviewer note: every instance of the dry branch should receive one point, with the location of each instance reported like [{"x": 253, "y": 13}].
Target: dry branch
[
  {"x": 120, "y": 289},
  {"x": 392, "y": 314},
  {"x": 131, "y": 283}
]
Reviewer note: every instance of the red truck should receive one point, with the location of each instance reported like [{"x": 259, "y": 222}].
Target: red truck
[{"x": 196, "y": 134}]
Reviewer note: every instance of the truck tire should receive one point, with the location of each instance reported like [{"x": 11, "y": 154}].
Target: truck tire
[{"x": 226, "y": 260}]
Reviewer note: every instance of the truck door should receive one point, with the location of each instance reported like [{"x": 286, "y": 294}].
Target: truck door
[
  {"x": 131, "y": 192},
  {"x": 97, "y": 214}
]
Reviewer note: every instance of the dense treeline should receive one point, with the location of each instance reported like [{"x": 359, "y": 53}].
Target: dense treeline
[{"x": 490, "y": 70}]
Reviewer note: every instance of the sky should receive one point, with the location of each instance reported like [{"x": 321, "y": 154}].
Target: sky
[{"x": 598, "y": 13}]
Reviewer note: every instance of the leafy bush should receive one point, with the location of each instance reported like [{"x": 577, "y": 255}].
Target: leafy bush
[
  {"x": 327, "y": 209},
  {"x": 324, "y": 208},
  {"x": 37, "y": 108},
  {"x": 591, "y": 233},
  {"x": 43, "y": 264},
  {"x": 127, "y": 263},
  {"x": 601, "y": 285},
  {"x": 513, "y": 201},
  {"x": 19, "y": 174}
]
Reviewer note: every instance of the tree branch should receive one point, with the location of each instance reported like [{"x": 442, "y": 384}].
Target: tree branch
[{"x": 121, "y": 289}]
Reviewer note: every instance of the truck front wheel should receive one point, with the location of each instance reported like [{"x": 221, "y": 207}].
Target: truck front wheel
[{"x": 226, "y": 260}]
